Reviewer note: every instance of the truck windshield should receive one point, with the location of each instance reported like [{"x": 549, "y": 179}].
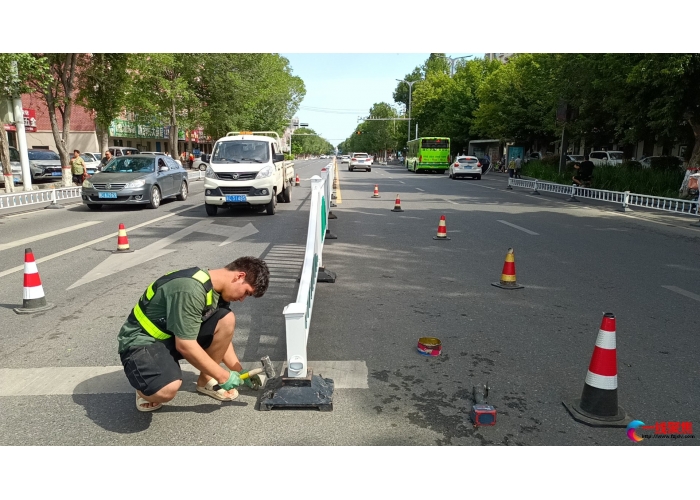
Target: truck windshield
[{"x": 245, "y": 151}]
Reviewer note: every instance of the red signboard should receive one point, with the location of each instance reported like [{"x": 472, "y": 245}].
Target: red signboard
[{"x": 29, "y": 122}]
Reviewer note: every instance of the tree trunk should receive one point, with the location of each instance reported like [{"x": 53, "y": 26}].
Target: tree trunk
[
  {"x": 695, "y": 156},
  {"x": 5, "y": 160},
  {"x": 173, "y": 133},
  {"x": 102, "y": 137}
]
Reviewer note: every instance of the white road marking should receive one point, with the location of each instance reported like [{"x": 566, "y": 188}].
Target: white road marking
[
  {"x": 686, "y": 293},
  {"x": 419, "y": 189},
  {"x": 450, "y": 201},
  {"x": 92, "y": 242},
  {"x": 37, "y": 237},
  {"x": 409, "y": 217},
  {"x": 402, "y": 182},
  {"x": 365, "y": 213},
  {"x": 111, "y": 379},
  {"x": 518, "y": 227},
  {"x": 116, "y": 263}
]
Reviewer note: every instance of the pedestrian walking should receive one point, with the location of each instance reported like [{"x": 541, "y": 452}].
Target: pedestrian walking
[
  {"x": 518, "y": 167},
  {"x": 511, "y": 169},
  {"x": 77, "y": 168},
  {"x": 190, "y": 162},
  {"x": 185, "y": 315}
]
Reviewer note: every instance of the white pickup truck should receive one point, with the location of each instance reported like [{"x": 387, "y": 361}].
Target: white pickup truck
[{"x": 248, "y": 169}]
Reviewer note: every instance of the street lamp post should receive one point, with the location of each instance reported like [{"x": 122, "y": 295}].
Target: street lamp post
[
  {"x": 453, "y": 60},
  {"x": 410, "y": 86}
]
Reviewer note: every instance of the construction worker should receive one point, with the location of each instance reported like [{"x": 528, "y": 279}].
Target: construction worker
[{"x": 185, "y": 315}]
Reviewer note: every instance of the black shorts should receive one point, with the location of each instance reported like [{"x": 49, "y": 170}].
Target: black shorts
[{"x": 151, "y": 367}]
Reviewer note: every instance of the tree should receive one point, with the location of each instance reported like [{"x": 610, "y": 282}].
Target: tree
[
  {"x": 103, "y": 86},
  {"x": 12, "y": 85},
  {"x": 59, "y": 93}
]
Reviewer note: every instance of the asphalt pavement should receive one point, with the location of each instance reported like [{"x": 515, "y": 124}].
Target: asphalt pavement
[{"x": 60, "y": 377}]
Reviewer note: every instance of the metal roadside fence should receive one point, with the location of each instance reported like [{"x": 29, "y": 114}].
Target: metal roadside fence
[
  {"x": 41, "y": 196},
  {"x": 625, "y": 199}
]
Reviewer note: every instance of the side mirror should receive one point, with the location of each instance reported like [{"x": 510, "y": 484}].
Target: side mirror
[
  {"x": 163, "y": 169},
  {"x": 279, "y": 157}
]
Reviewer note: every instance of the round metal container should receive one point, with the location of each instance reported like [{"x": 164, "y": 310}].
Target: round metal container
[{"x": 429, "y": 346}]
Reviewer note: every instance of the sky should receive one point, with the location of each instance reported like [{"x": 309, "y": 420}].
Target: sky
[{"x": 342, "y": 87}]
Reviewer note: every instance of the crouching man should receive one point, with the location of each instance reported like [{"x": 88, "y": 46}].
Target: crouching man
[{"x": 185, "y": 315}]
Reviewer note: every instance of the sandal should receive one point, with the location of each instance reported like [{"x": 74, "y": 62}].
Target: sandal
[
  {"x": 216, "y": 394},
  {"x": 140, "y": 401}
]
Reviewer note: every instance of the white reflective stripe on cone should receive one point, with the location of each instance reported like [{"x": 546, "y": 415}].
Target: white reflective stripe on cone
[
  {"x": 601, "y": 381},
  {"x": 33, "y": 292},
  {"x": 30, "y": 268},
  {"x": 606, "y": 340}
]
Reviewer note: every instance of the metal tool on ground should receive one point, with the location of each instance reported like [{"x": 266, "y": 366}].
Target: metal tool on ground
[
  {"x": 598, "y": 404},
  {"x": 482, "y": 413},
  {"x": 297, "y": 181},
  {"x": 442, "y": 229},
  {"x": 376, "y": 191},
  {"x": 508, "y": 280},
  {"x": 122, "y": 241},
  {"x": 429, "y": 346},
  {"x": 33, "y": 297},
  {"x": 397, "y": 204}
]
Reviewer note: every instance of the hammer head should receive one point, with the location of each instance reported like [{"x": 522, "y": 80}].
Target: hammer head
[{"x": 267, "y": 366}]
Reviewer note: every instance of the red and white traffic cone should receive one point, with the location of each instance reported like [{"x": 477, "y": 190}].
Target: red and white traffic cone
[
  {"x": 297, "y": 181},
  {"x": 397, "y": 205},
  {"x": 508, "y": 281},
  {"x": 442, "y": 230},
  {"x": 33, "y": 298},
  {"x": 598, "y": 404},
  {"x": 122, "y": 241},
  {"x": 376, "y": 192}
]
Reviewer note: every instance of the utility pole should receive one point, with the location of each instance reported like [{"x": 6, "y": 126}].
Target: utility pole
[
  {"x": 19, "y": 126},
  {"x": 410, "y": 87},
  {"x": 453, "y": 60}
]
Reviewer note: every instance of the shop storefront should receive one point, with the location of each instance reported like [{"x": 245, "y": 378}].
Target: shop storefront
[{"x": 144, "y": 137}]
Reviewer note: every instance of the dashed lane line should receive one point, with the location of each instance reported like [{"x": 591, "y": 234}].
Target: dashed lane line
[
  {"x": 518, "y": 227},
  {"x": 685, "y": 293}
]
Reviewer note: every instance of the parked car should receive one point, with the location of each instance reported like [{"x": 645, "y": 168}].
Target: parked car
[
  {"x": 661, "y": 161},
  {"x": 92, "y": 162},
  {"x": 575, "y": 158},
  {"x": 201, "y": 163},
  {"x": 360, "y": 160},
  {"x": 120, "y": 151},
  {"x": 606, "y": 157},
  {"x": 44, "y": 164},
  {"x": 136, "y": 180},
  {"x": 465, "y": 166},
  {"x": 15, "y": 165}
]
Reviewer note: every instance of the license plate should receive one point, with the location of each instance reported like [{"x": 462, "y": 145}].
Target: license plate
[
  {"x": 107, "y": 194},
  {"x": 360, "y": 161},
  {"x": 56, "y": 174},
  {"x": 236, "y": 198}
]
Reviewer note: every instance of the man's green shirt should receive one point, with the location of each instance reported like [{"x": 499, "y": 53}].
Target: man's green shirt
[{"x": 180, "y": 303}]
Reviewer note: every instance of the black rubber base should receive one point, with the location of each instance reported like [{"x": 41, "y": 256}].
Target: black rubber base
[
  {"x": 508, "y": 287},
  {"x": 42, "y": 308},
  {"x": 536, "y": 193},
  {"x": 330, "y": 236},
  {"x": 619, "y": 420},
  {"x": 331, "y": 215},
  {"x": 445, "y": 238},
  {"x": 123, "y": 251},
  {"x": 510, "y": 188},
  {"x": 397, "y": 210},
  {"x": 325, "y": 276},
  {"x": 289, "y": 394},
  {"x": 573, "y": 198},
  {"x": 54, "y": 206}
]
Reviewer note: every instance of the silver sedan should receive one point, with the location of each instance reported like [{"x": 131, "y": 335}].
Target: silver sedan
[{"x": 136, "y": 180}]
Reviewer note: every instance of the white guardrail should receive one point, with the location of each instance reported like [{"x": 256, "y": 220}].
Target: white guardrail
[
  {"x": 626, "y": 199},
  {"x": 297, "y": 315},
  {"x": 26, "y": 198}
]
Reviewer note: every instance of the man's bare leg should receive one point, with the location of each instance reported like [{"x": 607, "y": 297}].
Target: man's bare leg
[
  {"x": 223, "y": 336},
  {"x": 164, "y": 395}
]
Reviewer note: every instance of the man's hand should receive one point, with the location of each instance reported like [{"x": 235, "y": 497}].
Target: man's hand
[
  {"x": 234, "y": 380},
  {"x": 248, "y": 383}
]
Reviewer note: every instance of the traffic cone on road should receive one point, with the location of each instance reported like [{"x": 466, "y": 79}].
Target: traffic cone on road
[
  {"x": 122, "y": 241},
  {"x": 33, "y": 298},
  {"x": 397, "y": 205},
  {"x": 598, "y": 404},
  {"x": 442, "y": 230},
  {"x": 376, "y": 192},
  {"x": 297, "y": 181},
  {"x": 508, "y": 280}
]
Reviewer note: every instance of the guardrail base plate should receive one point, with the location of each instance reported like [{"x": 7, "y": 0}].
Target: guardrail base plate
[
  {"x": 325, "y": 276},
  {"x": 312, "y": 392}
]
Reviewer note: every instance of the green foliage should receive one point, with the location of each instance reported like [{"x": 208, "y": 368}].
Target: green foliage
[
  {"x": 29, "y": 68},
  {"x": 305, "y": 141},
  {"x": 623, "y": 178},
  {"x": 103, "y": 85}
]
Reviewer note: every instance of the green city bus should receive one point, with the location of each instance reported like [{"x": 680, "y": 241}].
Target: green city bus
[{"x": 429, "y": 153}]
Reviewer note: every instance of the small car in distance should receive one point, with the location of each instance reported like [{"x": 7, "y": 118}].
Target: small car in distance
[
  {"x": 345, "y": 159},
  {"x": 465, "y": 166}
]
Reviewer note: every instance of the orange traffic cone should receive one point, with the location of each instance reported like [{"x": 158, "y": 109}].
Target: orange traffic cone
[
  {"x": 376, "y": 192},
  {"x": 397, "y": 205},
  {"x": 297, "y": 182},
  {"x": 33, "y": 298},
  {"x": 508, "y": 280},
  {"x": 442, "y": 230},
  {"x": 598, "y": 404},
  {"x": 122, "y": 241}
]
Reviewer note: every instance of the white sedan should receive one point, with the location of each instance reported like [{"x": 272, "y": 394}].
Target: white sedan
[
  {"x": 465, "y": 166},
  {"x": 92, "y": 162},
  {"x": 345, "y": 159}
]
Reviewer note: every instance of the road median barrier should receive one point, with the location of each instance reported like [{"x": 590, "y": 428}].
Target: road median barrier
[
  {"x": 299, "y": 387},
  {"x": 38, "y": 197}
]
